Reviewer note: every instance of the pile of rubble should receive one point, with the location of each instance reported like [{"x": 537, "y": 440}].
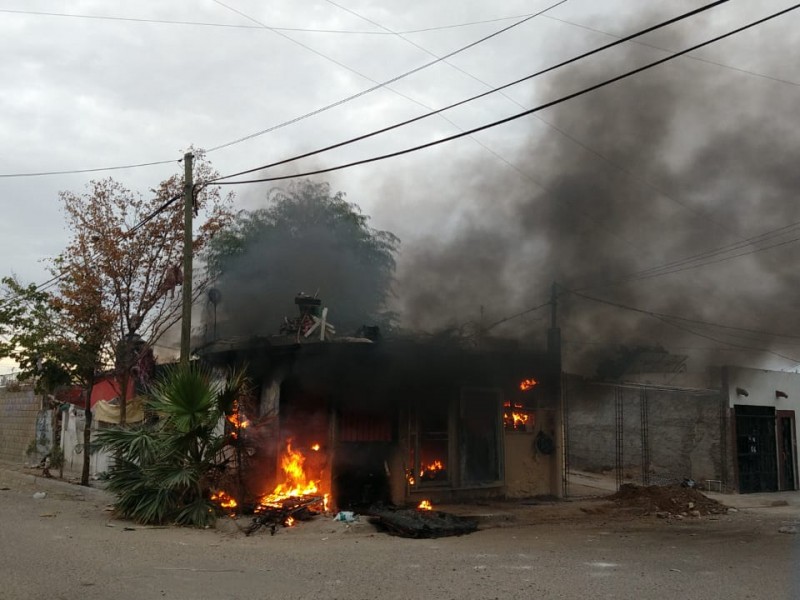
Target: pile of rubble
[{"x": 666, "y": 501}]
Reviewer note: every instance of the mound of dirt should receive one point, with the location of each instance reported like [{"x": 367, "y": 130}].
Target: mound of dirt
[{"x": 666, "y": 501}]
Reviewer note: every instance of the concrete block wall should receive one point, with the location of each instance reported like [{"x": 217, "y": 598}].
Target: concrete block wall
[
  {"x": 19, "y": 409},
  {"x": 683, "y": 428}
]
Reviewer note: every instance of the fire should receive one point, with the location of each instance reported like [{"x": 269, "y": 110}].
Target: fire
[
  {"x": 315, "y": 447},
  {"x": 296, "y": 482},
  {"x": 237, "y": 419},
  {"x": 527, "y": 384},
  {"x": 430, "y": 469},
  {"x": 410, "y": 477},
  {"x": 289, "y": 521},
  {"x": 224, "y": 500},
  {"x": 425, "y": 505},
  {"x": 514, "y": 419}
]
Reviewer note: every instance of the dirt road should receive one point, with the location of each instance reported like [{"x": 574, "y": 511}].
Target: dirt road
[{"x": 66, "y": 546}]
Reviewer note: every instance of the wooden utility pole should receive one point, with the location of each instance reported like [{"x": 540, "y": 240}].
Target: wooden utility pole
[
  {"x": 188, "y": 209},
  {"x": 558, "y": 480}
]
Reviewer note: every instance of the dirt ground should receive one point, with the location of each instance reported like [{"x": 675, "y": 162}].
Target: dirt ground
[{"x": 68, "y": 546}]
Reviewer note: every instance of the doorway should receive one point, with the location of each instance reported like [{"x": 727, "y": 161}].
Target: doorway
[
  {"x": 787, "y": 450},
  {"x": 756, "y": 451}
]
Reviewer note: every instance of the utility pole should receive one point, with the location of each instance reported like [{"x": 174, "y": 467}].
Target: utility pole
[
  {"x": 558, "y": 481},
  {"x": 188, "y": 209}
]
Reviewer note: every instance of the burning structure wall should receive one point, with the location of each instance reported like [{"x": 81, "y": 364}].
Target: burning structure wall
[{"x": 400, "y": 421}]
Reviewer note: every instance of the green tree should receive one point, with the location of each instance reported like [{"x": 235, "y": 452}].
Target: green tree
[
  {"x": 308, "y": 239},
  {"x": 164, "y": 472},
  {"x": 28, "y": 335},
  {"x": 57, "y": 340}
]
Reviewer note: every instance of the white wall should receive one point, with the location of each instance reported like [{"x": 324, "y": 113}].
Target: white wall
[
  {"x": 72, "y": 439},
  {"x": 761, "y": 387}
]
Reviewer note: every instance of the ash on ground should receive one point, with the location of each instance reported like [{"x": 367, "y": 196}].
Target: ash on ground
[{"x": 666, "y": 501}]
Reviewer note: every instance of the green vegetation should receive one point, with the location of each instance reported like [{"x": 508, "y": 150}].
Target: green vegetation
[{"x": 163, "y": 470}]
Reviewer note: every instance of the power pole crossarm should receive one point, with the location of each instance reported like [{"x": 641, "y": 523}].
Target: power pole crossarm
[{"x": 188, "y": 209}]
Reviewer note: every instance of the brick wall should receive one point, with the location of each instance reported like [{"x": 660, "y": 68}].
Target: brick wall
[{"x": 18, "y": 412}]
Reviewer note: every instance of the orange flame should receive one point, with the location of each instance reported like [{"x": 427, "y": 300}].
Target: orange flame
[
  {"x": 527, "y": 384},
  {"x": 513, "y": 419},
  {"x": 296, "y": 481},
  {"x": 238, "y": 420},
  {"x": 224, "y": 500},
  {"x": 431, "y": 468},
  {"x": 410, "y": 477},
  {"x": 315, "y": 447},
  {"x": 425, "y": 505},
  {"x": 289, "y": 521}
]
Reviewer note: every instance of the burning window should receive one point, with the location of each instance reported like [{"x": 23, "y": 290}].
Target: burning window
[
  {"x": 516, "y": 414},
  {"x": 430, "y": 453},
  {"x": 517, "y": 418}
]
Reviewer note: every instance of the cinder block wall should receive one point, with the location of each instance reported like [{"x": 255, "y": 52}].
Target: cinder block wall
[
  {"x": 683, "y": 430},
  {"x": 18, "y": 412}
]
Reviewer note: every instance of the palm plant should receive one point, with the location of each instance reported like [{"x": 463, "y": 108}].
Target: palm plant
[{"x": 163, "y": 470}]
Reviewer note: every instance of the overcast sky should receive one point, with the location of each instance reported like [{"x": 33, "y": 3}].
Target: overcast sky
[{"x": 139, "y": 82}]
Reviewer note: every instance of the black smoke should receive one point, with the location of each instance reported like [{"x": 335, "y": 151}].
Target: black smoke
[{"x": 673, "y": 162}]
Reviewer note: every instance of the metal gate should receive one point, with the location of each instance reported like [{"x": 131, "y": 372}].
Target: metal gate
[{"x": 756, "y": 452}]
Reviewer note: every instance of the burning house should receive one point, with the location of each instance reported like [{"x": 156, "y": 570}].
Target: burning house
[{"x": 365, "y": 421}]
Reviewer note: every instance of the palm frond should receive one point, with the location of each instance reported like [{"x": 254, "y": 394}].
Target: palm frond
[
  {"x": 162, "y": 470},
  {"x": 200, "y": 513},
  {"x": 186, "y": 397}
]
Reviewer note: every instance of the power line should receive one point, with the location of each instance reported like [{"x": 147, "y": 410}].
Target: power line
[
  {"x": 242, "y": 26},
  {"x": 44, "y": 286},
  {"x": 378, "y": 85},
  {"x": 516, "y": 316},
  {"x": 296, "y": 119},
  {"x": 481, "y": 95},
  {"x": 671, "y": 320},
  {"x": 518, "y": 115},
  {"x": 93, "y": 170},
  {"x": 180, "y": 22},
  {"x": 695, "y": 58},
  {"x": 467, "y": 24},
  {"x": 552, "y": 126},
  {"x": 698, "y": 260},
  {"x": 679, "y": 318}
]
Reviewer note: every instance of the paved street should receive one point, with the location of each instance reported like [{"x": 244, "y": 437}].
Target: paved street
[{"x": 67, "y": 546}]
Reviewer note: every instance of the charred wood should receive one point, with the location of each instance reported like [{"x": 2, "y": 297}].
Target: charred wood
[
  {"x": 276, "y": 514},
  {"x": 415, "y": 523}
]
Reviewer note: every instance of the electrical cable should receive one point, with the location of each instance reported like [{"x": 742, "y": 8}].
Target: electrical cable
[
  {"x": 514, "y": 117},
  {"x": 517, "y": 315},
  {"x": 667, "y": 318},
  {"x": 240, "y": 26},
  {"x": 662, "y": 49},
  {"x": 481, "y": 95},
  {"x": 93, "y": 170},
  {"x": 698, "y": 260},
  {"x": 44, "y": 286},
  {"x": 378, "y": 85},
  {"x": 552, "y": 126}
]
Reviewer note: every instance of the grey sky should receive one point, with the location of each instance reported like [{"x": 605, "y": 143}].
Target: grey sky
[{"x": 81, "y": 93}]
